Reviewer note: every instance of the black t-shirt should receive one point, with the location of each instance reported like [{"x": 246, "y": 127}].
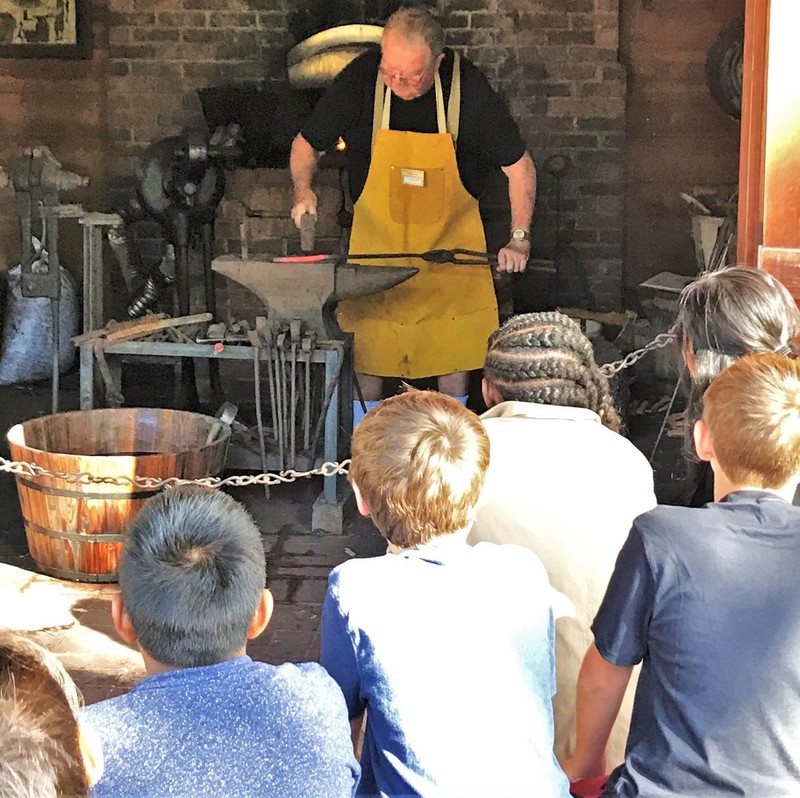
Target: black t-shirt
[{"x": 488, "y": 137}]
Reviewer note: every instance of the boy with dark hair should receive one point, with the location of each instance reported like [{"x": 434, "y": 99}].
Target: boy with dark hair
[
  {"x": 207, "y": 720},
  {"x": 448, "y": 648},
  {"x": 708, "y": 600}
]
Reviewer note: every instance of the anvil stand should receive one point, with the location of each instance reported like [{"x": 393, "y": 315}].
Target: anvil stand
[
  {"x": 181, "y": 234},
  {"x": 303, "y": 294}
]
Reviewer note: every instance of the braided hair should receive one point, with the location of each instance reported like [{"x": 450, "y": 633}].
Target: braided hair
[{"x": 546, "y": 359}]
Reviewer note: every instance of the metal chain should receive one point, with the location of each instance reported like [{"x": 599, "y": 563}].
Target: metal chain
[
  {"x": 659, "y": 342},
  {"x": 33, "y": 471},
  {"x": 327, "y": 469}
]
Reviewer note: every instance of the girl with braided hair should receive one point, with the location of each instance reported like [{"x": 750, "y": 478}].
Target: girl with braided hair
[
  {"x": 545, "y": 358},
  {"x": 562, "y": 481}
]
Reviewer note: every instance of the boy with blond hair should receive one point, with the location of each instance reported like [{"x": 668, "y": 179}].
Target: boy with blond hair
[
  {"x": 708, "y": 600},
  {"x": 449, "y": 648}
]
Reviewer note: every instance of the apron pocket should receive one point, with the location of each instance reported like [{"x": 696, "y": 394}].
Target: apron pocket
[{"x": 416, "y": 196}]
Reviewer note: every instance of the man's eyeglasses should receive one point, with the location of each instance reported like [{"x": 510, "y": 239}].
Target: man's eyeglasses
[{"x": 403, "y": 80}]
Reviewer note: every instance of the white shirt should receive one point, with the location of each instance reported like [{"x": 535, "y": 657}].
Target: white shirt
[{"x": 568, "y": 488}]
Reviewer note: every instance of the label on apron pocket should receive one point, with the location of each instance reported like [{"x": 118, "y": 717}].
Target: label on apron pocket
[{"x": 413, "y": 177}]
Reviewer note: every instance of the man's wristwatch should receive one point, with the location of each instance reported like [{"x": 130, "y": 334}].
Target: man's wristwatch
[{"x": 518, "y": 234}]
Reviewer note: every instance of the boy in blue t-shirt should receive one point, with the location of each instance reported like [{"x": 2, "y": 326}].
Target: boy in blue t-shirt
[
  {"x": 447, "y": 647},
  {"x": 208, "y": 721},
  {"x": 708, "y": 600}
]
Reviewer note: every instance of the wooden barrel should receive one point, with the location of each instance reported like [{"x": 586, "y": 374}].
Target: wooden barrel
[{"x": 75, "y": 531}]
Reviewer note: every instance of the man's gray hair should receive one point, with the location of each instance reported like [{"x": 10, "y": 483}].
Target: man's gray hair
[{"x": 415, "y": 23}]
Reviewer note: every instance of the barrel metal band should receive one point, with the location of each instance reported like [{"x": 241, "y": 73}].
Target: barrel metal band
[
  {"x": 79, "y": 494},
  {"x": 76, "y": 576},
  {"x": 77, "y": 537}
]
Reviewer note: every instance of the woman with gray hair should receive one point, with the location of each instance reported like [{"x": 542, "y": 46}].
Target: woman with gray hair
[{"x": 723, "y": 315}]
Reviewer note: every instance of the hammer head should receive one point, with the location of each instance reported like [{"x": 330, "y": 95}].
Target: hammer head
[{"x": 308, "y": 291}]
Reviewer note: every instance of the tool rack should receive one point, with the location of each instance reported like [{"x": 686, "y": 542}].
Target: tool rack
[{"x": 330, "y": 354}]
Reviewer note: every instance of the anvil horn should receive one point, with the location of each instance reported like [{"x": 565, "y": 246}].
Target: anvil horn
[{"x": 307, "y": 291}]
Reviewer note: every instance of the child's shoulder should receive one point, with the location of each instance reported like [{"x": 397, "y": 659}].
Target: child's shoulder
[
  {"x": 507, "y": 558},
  {"x": 668, "y": 522},
  {"x": 306, "y": 678}
]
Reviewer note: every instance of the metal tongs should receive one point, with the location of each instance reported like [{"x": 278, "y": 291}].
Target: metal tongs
[{"x": 458, "y": 256}]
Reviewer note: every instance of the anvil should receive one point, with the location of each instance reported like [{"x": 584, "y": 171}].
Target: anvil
[{"x": 309, "y": 290}]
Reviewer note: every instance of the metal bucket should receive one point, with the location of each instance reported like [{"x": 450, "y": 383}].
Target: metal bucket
[{"x": 76, "y": 531}]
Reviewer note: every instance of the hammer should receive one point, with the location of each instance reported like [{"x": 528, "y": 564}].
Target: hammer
[{"x": 308, "y": 223}]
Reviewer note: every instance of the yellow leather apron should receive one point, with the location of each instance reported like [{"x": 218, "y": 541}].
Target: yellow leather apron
[{"x": 437, "y": 322}]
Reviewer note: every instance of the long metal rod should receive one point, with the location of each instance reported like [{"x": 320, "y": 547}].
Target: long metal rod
[
  {"x": 279, "y": 404},
  {"x": 272, "y": 394},
  {"x": 307, "y": 405},
  {"x": 50, "y": 241},
  {"x": 259, "y": 420},
  {"x": 284, "y": 406},
  {"x": 469, "y": 257},
  {"x": 666, "y": 416},
  {"x": 56, "y": 313},
  {"x": 293, "y": 407}
]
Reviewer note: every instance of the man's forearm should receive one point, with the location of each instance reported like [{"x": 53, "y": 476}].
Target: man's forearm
[
  {"x": 521, "y": 191},
  {"x": 601, "y": 687},
  {"x": 302, "y": 164}
]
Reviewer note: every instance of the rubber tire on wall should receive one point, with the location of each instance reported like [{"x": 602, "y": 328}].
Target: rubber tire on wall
[{"x": 724, "y": 68}]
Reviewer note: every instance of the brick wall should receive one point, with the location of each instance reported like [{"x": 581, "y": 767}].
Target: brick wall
[
  {"x": 677, "y": 136},
  {"x": 60, "y": 103},
  {"x": 161, "y": 52},
  {"x": 555, "y": 61}
]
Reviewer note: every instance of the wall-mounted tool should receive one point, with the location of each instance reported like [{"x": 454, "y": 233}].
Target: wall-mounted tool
[{"x": 38, "y": 178}]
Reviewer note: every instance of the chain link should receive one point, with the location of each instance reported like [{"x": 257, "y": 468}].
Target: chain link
[
  {"x": 33, "y": 471},
  {"x": 659, "y": 342}
]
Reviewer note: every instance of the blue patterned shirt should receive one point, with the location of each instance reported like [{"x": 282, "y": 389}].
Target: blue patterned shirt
[{"x": 238, "y": 728}]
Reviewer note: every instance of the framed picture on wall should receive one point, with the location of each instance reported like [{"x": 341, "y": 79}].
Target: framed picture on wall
[{"x": 45, "y": 29}]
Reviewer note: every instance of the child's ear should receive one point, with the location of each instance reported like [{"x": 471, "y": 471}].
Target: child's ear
[
  {"x": 703, "y": 444},
  {"x": 363, "y": 507},
  {"x": 491, "y": 396},
  {"x": 262, "y": 616},
  {"x": 122, "y": 623}
]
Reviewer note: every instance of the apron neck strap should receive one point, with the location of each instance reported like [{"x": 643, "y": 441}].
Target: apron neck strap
[
  {"x": 381, "y": 109},
  {"x": 454, "y": 101},
  {"x": 379, "y": 102}
]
